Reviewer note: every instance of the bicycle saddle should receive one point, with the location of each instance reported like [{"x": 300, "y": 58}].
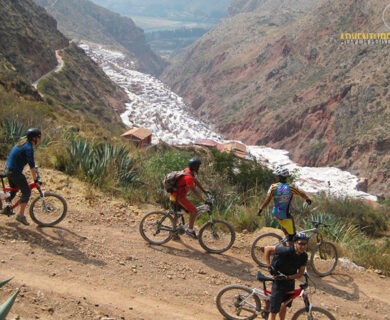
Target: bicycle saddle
[
  {"x": 262, "y": 277},
  {"x": 2, "y": 175}
]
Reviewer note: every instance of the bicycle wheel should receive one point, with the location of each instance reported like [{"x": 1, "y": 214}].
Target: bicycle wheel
[
  {"x": 237, "y": 302},
  {"x": 49, "y": 210},
  {"x": 156, "y": 227},
  {"x": 323, "y": 258},
  {"x": 263, "y": 240},
  {"x": 217, "y": 236},
  {"x": 316, "y": 313}
]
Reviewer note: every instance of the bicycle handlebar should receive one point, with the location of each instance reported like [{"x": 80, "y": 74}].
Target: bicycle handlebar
[{"x": 318, "y": 223}]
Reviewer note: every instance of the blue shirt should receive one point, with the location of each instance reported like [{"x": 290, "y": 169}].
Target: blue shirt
[{"x": 20, "y": 156}]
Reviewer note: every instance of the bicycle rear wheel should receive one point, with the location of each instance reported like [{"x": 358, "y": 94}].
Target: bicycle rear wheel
[
  {"x": 324, "y": 258},
  {"x": 156, "y": 227},
  {"x": 217, "y": 236},
  {"x": 48, "y": 210},
  {"x": 263, "y": 240},
  {"x": 316, "y": 313},
  {"x": 236, "y": 302}
]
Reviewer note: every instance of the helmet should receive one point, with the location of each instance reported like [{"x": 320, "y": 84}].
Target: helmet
[
  {"x": 32, "y": 133},
  {"x": 194, "y": 164},
  {"x": 282, "y": 172},
  {"x": 301, "y": 236}
]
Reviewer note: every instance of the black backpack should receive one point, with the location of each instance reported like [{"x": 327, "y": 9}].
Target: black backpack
[{"x": 171, "y": 179}]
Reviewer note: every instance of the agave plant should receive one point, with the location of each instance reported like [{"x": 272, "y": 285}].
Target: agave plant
[
  {"x": 7, "y": 305},
  {"x": 12, "y": 131}
]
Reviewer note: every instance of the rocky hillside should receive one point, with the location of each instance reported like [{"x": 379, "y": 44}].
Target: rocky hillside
[
  {"x": 80, "y": 95},
  {"x": 82, "y": 19},
  {"x": 283, "y": 78},
  {"x": 29, "y": 38}
]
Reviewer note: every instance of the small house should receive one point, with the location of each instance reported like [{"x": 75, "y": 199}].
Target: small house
[{"x": 140, "y": 137}]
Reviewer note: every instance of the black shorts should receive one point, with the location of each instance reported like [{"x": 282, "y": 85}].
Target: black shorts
[
  {"x": 18, "y": 180},
  {"x": 279, "y": 295}
]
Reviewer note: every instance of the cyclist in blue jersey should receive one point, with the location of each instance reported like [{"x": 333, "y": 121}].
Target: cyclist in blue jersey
[
  {"x": 21, "y": 154},
  {"x": 282, "y": 192}
]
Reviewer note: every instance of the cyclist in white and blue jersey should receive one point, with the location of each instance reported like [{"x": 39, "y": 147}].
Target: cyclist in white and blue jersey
[{"x": 282, "y": 192}]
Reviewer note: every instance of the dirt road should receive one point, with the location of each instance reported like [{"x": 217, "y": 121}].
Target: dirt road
[{"x": 95, "y": 265}]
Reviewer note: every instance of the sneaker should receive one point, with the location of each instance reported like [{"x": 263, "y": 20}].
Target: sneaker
[
  {"x": 176, "y": 237},
  {"x": 22, "y": 219},
  {"x": 191, "y": 233},
  {"x": 7, "y": 211}
]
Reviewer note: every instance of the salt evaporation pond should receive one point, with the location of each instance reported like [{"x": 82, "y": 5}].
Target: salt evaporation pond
[{"x": 155, "y": 107}]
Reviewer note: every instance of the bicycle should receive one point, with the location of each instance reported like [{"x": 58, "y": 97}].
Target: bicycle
[
  {"x": 238, "y": 302},
  {"x": 47, "y": 210},
  {"x": 215, "y": 236},
  {"x": 323, "y": 257}
]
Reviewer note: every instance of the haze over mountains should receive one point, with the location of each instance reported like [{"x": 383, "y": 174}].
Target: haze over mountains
[{"x": 276, "y": 73}]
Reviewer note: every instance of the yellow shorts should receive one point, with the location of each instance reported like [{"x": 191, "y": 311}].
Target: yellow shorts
[{"x": 287, "y": 224}]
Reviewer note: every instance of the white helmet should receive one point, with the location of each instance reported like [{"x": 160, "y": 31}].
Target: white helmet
[{"x": 282, "y": 172}]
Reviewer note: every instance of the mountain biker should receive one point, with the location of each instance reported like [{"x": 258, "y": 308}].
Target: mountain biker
[
  {"x": 185, "y": 184},
  {"x": 21, "y": 154},
  {"x": 290, "y": 261},
  {"x": 282, "y": 192}
]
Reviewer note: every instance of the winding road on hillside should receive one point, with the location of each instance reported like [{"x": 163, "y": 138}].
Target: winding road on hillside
[
  {"x": 58, "y": 68},
  {"x": 95, "y": 265}
]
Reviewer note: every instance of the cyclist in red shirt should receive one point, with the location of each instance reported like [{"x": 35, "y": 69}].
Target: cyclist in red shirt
[{"x": 185, "y": 184}]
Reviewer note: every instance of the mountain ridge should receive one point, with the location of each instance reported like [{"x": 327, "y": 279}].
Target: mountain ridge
[
  {"x": 84, "y": 20},
  {"x": 283, "y": 78}
]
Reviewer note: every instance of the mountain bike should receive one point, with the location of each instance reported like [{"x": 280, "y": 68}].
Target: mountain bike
[
  {"x": 323, "y": 256},
  {"x": 215, "y": 236},
  {"x": 238, "y": 302},
  {"x": 47, "y": 210}
]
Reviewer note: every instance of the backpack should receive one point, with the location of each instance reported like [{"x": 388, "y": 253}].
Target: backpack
[{"x": 171, "y": 179}]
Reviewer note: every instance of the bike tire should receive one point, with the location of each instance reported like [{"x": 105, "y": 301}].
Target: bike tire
[
  {"x": 216, "y": 233},
  {"x": 49, "y": 210},
  {"x": 230, "y": 300},
  {"x": 317, "y": 314},
  {"x": 324, "y": 258},
  {"x": 265, "y": 239},
  {"x": 150, "y": 227}
]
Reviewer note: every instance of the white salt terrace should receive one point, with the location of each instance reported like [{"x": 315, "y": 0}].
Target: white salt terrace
[{"x": 155, "y": 107}]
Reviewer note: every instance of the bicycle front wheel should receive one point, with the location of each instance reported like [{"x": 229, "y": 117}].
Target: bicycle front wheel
[
  {"x": 156, "y": 227},
  {"x": 316, "y": 313},
  {"x": 263, "y": 240},
  {"x": 216, "y": 236},
  {"x": 237, "y": 302},
  {"x": 324, "y": 258},
  {"x": 48, "y": 210}
]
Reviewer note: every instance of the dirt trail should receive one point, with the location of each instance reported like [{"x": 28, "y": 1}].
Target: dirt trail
[{"x": 95, "y": 265}]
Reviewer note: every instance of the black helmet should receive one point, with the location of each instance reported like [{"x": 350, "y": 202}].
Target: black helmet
[
  {"x": 32, "y": 133},
  {"x": 301, "y": 236},
  {"x": 194, "y": 164}
]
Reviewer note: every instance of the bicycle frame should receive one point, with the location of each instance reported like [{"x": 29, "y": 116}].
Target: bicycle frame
[
  {"x": 32, "y": 185},
  {"x": 265, "y": 295}
]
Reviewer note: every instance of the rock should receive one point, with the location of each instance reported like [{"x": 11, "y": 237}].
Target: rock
[{"x": 377, "y": 271}]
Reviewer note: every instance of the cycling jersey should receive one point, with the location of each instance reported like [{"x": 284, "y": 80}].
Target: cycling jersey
[
  {"x": 183, "y": 186},
  {"x": 19, "y": 157},
  {"x": 282, "y": 194}
]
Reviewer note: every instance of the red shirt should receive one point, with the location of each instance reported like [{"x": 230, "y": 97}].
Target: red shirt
[{"x": 184, "y": 184}]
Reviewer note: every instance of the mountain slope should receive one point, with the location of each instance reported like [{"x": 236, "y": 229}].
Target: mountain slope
[
  {"x": 82, "y": 19},
  {"x": 29, "y": 37},
  {"x": 283, "y": 78},
  {"x": 80, "y": 96}
]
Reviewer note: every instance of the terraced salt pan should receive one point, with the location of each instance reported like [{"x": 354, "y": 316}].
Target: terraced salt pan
[{"x": 155, "y": 107}]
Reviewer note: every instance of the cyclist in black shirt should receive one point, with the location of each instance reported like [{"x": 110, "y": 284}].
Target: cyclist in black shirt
[{"x": 291, "y": 261}]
